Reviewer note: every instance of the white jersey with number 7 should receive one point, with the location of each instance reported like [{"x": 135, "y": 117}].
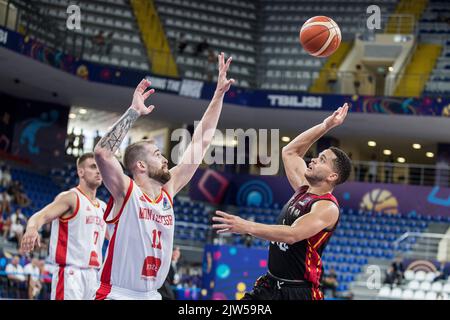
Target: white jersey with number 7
[{"x": 78, "y": 239}]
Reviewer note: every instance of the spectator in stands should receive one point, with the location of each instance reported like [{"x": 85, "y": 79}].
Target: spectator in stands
[
  {"x": 81, "y": 139},
  {"x": 5, "y": 202},
  {"x": 45, "y": 239},
  {"x": 372, "y": 174},
  {"x": 46, "y": 279},
  {"x": 173, "y": 278},
  {"x": 32, "y": 271},
  {"x": 14, "y": 270},
  {"x": 18, "y": 223},
  {"x": 6, "y": 177},
  {"x": 389, "y": 277},
  {"x": 16, "y": 278},
  {"x": 398, "y": 270},
  {"x": 358, "y": 79},
  {"x": 99, "y": 42},
  {"x": 109, "y": 43},
  {"x": 248, "y": 240},
  {"x": 388, "y": 169},
  {"x": 211, "y": 65},
  {"x": 329, "y": 282},
  {"x": 19, "y": 194},
  {"x": 70, "y": 142},
  {"x": 96, "y": 139},
  {"x": 442, "y": 272},
  {"x": 182, "y": 43},
  {"x": 201, "y": 47},
  {"x": 332, "y": 78}
]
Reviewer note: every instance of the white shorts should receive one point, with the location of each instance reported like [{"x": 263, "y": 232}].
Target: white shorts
[
  {"x": 72, "y": 283},
  {"x": 116, "y": 293}
]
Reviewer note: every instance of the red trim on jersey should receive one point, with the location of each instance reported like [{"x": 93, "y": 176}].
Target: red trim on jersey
[
  {"x": 61, "y": 246},
  {"x": 110, "y": 205},
  {"x": 168, "y": 196},
  {"x": 74, "y": 213},
  {"x": 158, "y": 199},
  {"x": 60, "y": 258},
  {"x": 97, "y": 205},
  {"x": 105, "y": 278},
  {"x": 60, "y": 285}
]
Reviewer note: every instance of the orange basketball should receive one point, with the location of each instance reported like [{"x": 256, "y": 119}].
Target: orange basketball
[{"x": 320, "y": 36}]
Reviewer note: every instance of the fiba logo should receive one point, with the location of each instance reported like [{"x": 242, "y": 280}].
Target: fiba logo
[
  {"x": 379, "y": 200},
  {"x": 254, "y": 193}
]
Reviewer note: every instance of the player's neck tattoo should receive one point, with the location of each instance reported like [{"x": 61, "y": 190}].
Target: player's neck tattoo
[{"x": 112, "y": 140}]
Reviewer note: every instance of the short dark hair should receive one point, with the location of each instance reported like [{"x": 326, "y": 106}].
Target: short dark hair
[
  {"x": 342, "y": 165},
  {"x": 84, "y": 157},
  {"x": 134, "y": 152}
]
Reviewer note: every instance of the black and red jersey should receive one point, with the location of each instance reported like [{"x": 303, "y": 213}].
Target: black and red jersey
[{"x": 301, "y": 260}]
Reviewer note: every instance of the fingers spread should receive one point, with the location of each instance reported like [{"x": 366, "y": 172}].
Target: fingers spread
[
  {"x": 219, "y": 219},
  {"x": 220, "y": 226},
  {"x": 228, "y": 63},
  {"x": 142, "y": 86},
  {"x": 148, "y": 93},
  {"x": 223, "y": 214}
]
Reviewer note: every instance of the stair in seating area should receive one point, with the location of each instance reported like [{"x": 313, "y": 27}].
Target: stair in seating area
[
  {"x": 320, "y": 85},
  {"x": 418, "y": 70},
  {"x": 401, "y": 21}
]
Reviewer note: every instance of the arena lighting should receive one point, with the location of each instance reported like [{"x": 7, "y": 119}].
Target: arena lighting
[
  {"x": 387, "y": 152},
  {"x": 371, "y": 143},
  {"x": 82, "y": 111},
  {"x": 72, "y": 115},
  {"x": 401, "y": 160},
  {"x": 285, "y": 139},
  {"x": 416, "y": 146},
  {"x": 429, "y": 154}
]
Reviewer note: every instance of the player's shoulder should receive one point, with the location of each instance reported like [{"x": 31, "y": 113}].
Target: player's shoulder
[
  {"x": 325, "y": 204},
  {"x": 68, "y": 195}
]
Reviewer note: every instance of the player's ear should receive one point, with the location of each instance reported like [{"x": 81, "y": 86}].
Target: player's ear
[
  {"x": 333, "y": 177},
  {"x": 141, "y": 165},
  {"x": 80, "y": 171}
]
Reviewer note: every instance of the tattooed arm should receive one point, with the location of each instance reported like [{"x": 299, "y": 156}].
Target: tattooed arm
[{"x": 113, "y": 176}]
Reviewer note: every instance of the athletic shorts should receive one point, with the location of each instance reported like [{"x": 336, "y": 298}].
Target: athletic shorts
[
  {"x": 269, "y": 288},
  {"x": 72, "y": 283}
]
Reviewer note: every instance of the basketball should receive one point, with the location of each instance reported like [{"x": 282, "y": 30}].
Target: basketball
[{"x": 320, "y": 36}]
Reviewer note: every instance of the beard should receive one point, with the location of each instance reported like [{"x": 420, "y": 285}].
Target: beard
[
  {"x": 312, "y": 178},
  {"x": 161, "y": 175}
]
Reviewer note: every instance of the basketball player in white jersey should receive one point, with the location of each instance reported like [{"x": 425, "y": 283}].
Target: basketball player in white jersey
[
  {"x": 140, "y": 209},
  {"x": 78, "y": 232}
]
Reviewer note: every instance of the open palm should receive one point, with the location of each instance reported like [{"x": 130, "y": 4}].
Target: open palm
[
  {"x": 140, "y": 96},
  {"x": 337, "y": 118}
]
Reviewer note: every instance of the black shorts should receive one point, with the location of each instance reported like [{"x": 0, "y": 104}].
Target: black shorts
[{"x": 269, "y": 288}]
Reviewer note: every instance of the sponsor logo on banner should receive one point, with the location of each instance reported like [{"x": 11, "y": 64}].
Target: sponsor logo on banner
[
  {"x": 191, "y": 88},
  {"x": 311, "y": 102}
]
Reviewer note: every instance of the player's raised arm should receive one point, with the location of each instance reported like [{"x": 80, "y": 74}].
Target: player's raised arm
[
  {"x": 203, "y": 134},
  {"x": 113, "y": 176},
  {"x": 64, "y": 204},
  {"x": 294, "y": 152},
  {"x": 323, "y": 215}
]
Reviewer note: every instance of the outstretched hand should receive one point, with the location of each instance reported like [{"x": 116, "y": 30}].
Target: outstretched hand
[
  {"x": 223, "y": 84},
  {"x": 337, "y": 118},
  {"x": 140, "y": 96},
  {"x": 229, "y": 223}
]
